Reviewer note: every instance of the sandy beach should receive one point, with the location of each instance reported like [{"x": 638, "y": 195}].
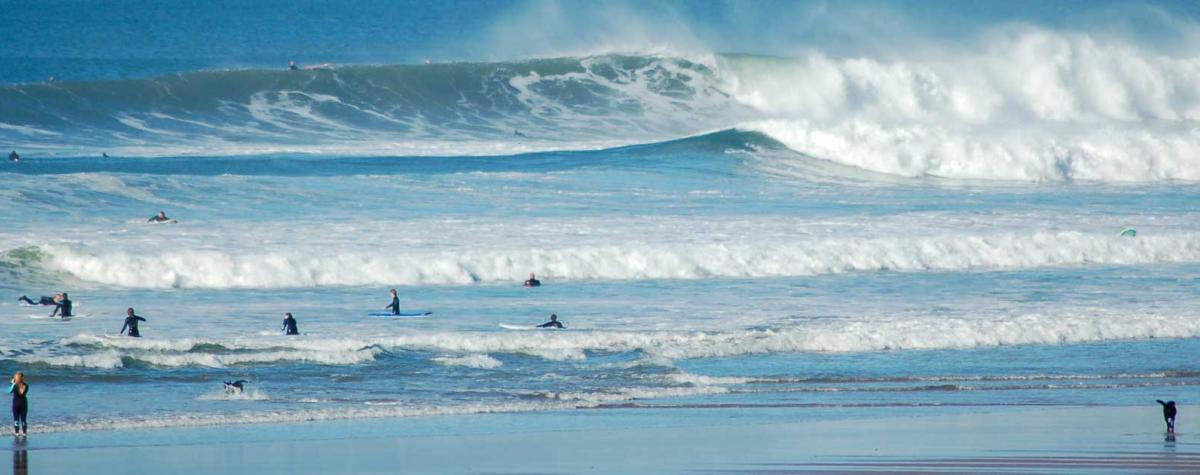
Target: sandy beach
[{"x": 970, "y": 440}]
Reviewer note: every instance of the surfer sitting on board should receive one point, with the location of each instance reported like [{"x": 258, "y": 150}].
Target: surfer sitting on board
[
  {"x": 292, "y": 66},
  {"x": 553, "y": 323},
  {"x": 13, "y": 157},
  {"x": 533, "y": 282},
  {"x": 161, "y": 217},
  {"x": 44, "y": 300},
  {"x": 131, "y": 322},
  {"x": 63, "y": 308},
  {"x": 395, "y": 305},
  {"x": 289, "y": 325}
]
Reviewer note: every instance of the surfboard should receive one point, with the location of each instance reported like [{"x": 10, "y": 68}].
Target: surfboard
[
  {"x": 400, "y": 315},
  {"x": 48, "y": 317},
  {"x": 509, "y": 326}
]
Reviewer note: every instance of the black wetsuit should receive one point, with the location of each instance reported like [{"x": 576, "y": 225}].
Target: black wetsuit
[
  {"x": 395, "y": 305},
  {"x": 63, "y": 309},
  {"x": 533, "y": 283},
  {"x": 131, "y": 322},
  {"x": 156, "y": 219},
  {"x": 1169, "y": 412},
  {"x": 20, "y": 407},
  {"x": 13, "y": 157},
  {"x": 551, "y": 324},
  {"x": 42, "y": 301},
  {"x": 289, "y": 326}
]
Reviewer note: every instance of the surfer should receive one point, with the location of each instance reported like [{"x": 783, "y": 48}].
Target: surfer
[
  {"x": 395, "y": 305},
  {"x": 161, "y": 217},
  {"x": 63, "y": 307},
  {"x": 532, "y": 282},
  {"x": 289, "y": 325},
  {"x": 292, "y": 66},
  {"x": 104, "y": 154},
  {"x": 44, "y": 300},
  {"x": 553, "y": 323},
  {"x": 13, "y": 157},
  {"x": 20, "y": 405},
  {"x": 1169, "y": 412},
  {"x": 235, "y": 387},
  {"x": 131, "y": 322}
]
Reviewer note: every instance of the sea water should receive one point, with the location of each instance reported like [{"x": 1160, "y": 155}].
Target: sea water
[{"x": 774, "y": 234}]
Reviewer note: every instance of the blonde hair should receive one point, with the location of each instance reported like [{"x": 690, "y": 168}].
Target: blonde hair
[{"x": 19, "y": 378}]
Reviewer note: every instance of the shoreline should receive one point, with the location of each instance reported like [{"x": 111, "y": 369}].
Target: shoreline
[{"x": 1033, "y": 439}]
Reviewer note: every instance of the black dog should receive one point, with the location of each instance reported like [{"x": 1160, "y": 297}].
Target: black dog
[{"x": 1169, "y": 414}]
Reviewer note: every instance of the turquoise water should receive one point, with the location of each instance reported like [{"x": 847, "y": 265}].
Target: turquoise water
[{"x": 896, "y": 231}]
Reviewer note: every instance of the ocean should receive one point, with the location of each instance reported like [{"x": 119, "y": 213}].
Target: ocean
[{"x": 814, "y": 234}]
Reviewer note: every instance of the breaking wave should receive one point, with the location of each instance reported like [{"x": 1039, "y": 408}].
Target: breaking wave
[
  {"x": 1018, "y": 103},
  {"x": 211, "y": 268}
]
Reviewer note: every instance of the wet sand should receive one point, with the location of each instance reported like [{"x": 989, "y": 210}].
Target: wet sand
[{"x": 990, "y": 440}]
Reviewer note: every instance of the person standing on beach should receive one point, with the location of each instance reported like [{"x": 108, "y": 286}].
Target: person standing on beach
[
  {"x": 289, "y": 325},
  {"x": 131, "y": 323},
  {"x": 1169, "y": 412},
  {"x": 20, "y": 405},
  {"x": 395, "y": 305}
]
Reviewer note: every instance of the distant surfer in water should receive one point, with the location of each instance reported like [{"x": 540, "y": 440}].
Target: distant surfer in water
[
  {"x": 44, "y": 300},
  {"x": 131, "y": 323},
  {"x": 235, "y": 387},
  {"x": 292, "y": 66},
  {"x": 13, "y": 157},
  {"x": 532, "y": 282},
  {"x": 1169, "y": 412},
  {"x": 395, "y": 305},
  {"x": 289, "y": 325},
  {"x": 161, "y": 217},
  {"x": 63, "y": 307},
  {"x": 553, "y": 323}
]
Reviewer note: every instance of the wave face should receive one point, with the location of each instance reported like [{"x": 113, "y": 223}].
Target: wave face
[
  {"x": 373, "y": 110},
  {"x": 1017, "y": 104}
]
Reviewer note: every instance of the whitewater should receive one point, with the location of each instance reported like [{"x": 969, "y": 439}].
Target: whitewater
[{"x": 933, "y": 227}]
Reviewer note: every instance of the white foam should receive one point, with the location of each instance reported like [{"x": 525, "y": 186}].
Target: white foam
[
  {"x": 268, "y": 417},
  {"x": 835, "y": 335},
  {"x": 765, "y": 256},
  {"x": 1021, "y": 103},
  {"x": 252, "y": 394},
  {"x": 470, "y": 361}
]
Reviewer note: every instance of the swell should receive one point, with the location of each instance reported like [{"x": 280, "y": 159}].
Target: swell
[
  {"x": 1019, "y": 104},
  {"x": 510, "y": 105}
]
